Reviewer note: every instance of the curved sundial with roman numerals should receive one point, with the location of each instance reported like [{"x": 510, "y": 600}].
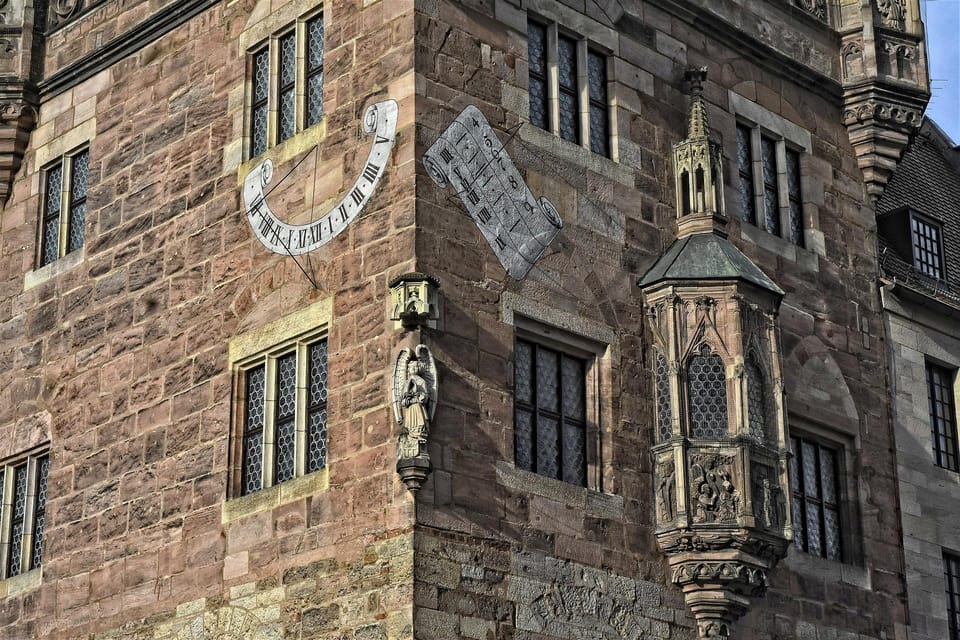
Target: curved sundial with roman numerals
[{"x": 380, "y": 119}]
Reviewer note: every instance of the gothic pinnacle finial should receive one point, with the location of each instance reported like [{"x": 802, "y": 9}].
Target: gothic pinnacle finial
[{"x": 697, "y": 126}]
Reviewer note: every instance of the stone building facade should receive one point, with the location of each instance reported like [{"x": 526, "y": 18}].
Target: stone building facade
[
  {"x": 219, "y": 335},
  {"x": 921, "y": 300}
]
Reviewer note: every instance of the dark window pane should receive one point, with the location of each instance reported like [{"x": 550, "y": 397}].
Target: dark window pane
[
  {"x": 569, "y": 117},
  {"x": 707, "y": 386},
  {"x": 756, "y": 404},
  {"x": 261, "y": 80},
  {"x": 943, "y": 420},
  {"x": 599, "y": 114},
  {"x": 253, "y": 430},
  {"x": 567, "y": 72},
  {"x": 547, "y": 368},
  {"x": 50, "y": 232},
  {"x": 548, "y": 447},
  {"x": 926, "y": 247},
  {"x": 814, "y": 474},
  {"x": 745, "y": 169},
  {"x": 17, "y": 520},
  {"x": 523, "y": 440},
  {"x": 664, "y": 414},
  {"x": 537, "y": 54},
  {"x": 317, "y": 411},
  {"x": 39, "y": 511},
  {"x": 79, "y": 172},
  {"x": 314, "y": 71},
  {"x": 317, "y": 440},
  {"x": 317, "y": 354},
  {"x": 796, "y": 202},
  {"x": 951, "y": 574},
  {"x": 523, "y": 372},
  {"x": 771, "y": 190},
  {"x": 286, "y": 435},
  {"x": 573, "y": 389},
  {"x": 286, "y": 117},
  {"x": 574, "y": 454},
  {"x": 285, "y": 425}
]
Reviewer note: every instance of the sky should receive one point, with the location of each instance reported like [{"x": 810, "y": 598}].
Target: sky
[{"x": 942, "y": 21}]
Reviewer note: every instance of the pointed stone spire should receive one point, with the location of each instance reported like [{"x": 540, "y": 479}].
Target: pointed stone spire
[{"x": 698, "y": 169}]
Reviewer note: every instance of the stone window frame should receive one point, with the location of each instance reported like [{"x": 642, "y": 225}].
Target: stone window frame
[
  {"x": 67, "y": 202},
  {"x": 585, "y": 46},
  {"x": 948, "y": 457},
  {"x": 277, "y": 338},
  {"x": 951, "y": 573},
  {"x": 848, "y": 504},
  {"x": 29, "y": 572},
  {"x": 916, "y": 221},
  {"x": 270, "y": 44}
]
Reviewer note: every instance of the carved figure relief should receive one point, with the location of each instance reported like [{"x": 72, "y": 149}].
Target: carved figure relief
[
  {"x": 769, "y": 502},
  {"x": 469, "y": 157},
  {"x": 414, "y": 399},
  {"x": 892, "y": 13},
  {"x": 817, "y": 8},
  {"x": 593, "y": 613},
  {"x": 715, "y": 497},
  {"x": 226, "y": 623},
  {"x": 666, "y": 491},
  {"x": 380, "y": 119}
]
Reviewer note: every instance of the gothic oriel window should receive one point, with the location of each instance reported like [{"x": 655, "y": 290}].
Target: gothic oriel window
[
  {"x": 550, "y": 412},
  {"x": 951, "y": 576},
  {"x": 815, "y": 481},
  {"x": 568, "y": 87},
  {"x": 286, "y": 88},
  {"x": 64, "y": 206},
  {"x": 927, "y": 248},
  {"x": 284, "y": 398},
  {"x": 664, "y": 413},
  {"x": 943, "y": 417},
  {"x": 769, "y": 182},
  {"x": 707, "y": 394},
  {"x": 23, "y": 485}
]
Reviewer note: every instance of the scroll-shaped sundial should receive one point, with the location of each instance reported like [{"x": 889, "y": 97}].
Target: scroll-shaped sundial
[
  {"x": 380, "y": 119},
  {"x": 518, "y": 226}
]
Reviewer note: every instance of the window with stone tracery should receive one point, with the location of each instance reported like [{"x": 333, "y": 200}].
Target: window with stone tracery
[
  {"x": 707, "y": 394},
  {"x": 664, "y": 413},
  {"x": 756, "y": 400},
  {"x": 286, "y": 86}
]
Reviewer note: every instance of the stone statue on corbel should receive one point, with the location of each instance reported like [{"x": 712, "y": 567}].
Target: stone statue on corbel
[{"x": 414, "y": 403}]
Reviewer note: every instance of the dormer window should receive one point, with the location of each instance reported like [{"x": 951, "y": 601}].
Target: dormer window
[{"x": 927, "y": 248}]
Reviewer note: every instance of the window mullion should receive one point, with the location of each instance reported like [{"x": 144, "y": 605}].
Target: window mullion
[
  {"x": 29, "y": 514},
  {"x": 66, "y": 177},
  {"x": 301, "y": 411},
  {"x": 269, "y": 421},
  {"x": 535, "y": 402},
  {"x": 273, "y": 91},
  {"x": 6, "y": 496},
  {"x": 756, "y": 156},
  {"x": 783, "y": 190},
  {"x": 553, "y": 79},
  {"x": 583, "y": 94}
]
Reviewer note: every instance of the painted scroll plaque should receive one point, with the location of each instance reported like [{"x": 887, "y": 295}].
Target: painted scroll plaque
[
  {"x": 379, "y": 119},
  {"x": 469, "y": 157}
]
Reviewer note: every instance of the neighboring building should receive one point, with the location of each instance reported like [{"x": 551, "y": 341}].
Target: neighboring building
[
  {"x": 919, "y": 226},
  {"x": 432, "y": 319}
]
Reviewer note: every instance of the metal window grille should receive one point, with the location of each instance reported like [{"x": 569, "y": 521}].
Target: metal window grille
[
  {"x": 707, "y": 394},
  {"x": 537, "y": 54},
  {"x": 943, "y": 420},
  {"x": 50, "y": 225},
  {"x": 286, "y": 87},
  {"x": 77, "y": 202},
  {"x": 291, "y": 438},
  {"x": 796, "y": 201},
  {"x": 258, "y": 108},
  {"x": 756, "y": 400},
  {"x": 926, "y": 247},
  {"x": 599, "y": 114},
  {"x": 314, "y": 93},
  {"x": 550, "y": 413},
  {"x": 771, "y": 187},
  {"x": 814, "y": 477},
  {"x": 664, "y": 413},
  {"x": 951, "y": 576},
  {"x": 745, "y": 170},
  {"x": 23, "y": 518},
  {"x": 567, "y": 87}
]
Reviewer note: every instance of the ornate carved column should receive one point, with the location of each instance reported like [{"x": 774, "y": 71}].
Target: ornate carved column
[{"x": 720, "y": 460}]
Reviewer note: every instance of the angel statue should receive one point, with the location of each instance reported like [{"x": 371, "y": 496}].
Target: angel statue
[{"x": 414, "y": 400}]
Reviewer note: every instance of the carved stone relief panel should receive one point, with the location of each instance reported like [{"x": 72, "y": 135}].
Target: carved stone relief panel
[
  {"x": 769, "y": 501},
  {"x": 666, "y": 483},
  {"x": 816, "y": 8},
  {"x": 714, "y": 494},
  {"x": 852, "y": 56},
  {"x": 893, "y": 13}
]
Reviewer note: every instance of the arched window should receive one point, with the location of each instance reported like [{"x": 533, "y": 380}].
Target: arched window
[
  {"x": 664, "y": 415},
  {"x": 707, "y": 394},
  {"x": 756, "y": 400}
]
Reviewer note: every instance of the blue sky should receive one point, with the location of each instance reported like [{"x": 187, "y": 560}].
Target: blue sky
[{"x": 942, "y": 20}]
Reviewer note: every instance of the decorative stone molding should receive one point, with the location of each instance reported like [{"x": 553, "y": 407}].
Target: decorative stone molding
[
  {"x": 18, "y": 115},
  {"x": 816, "y": 8}
]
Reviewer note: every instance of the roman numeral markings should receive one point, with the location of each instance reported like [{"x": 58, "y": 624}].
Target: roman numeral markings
[
  {"x": 370, "y": 172},
  {"x": 357, "y": 195}
]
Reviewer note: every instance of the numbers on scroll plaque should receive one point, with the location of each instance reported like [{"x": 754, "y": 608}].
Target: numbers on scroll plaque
[{"x": 518, "y": 226}]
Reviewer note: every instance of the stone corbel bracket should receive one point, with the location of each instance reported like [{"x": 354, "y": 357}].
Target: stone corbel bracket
[{"x": 18, "y": 116}]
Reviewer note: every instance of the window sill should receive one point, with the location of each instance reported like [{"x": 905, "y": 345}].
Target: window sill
[
  {"x": 57, "y": 267},
  {"x": 805, "y": 259},
  {"x": 294, "y": 146},
  {"x": 577, "y": 154},
  {"x": 827, "y": 570},
  {"x": 275, "y": 496},
  {"x": 592, "y": 502},
  {"x": 24, "y": 582}
]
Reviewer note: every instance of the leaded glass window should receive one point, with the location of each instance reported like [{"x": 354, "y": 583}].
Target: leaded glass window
[
  {"x": 951, "y": 577},
  {"x": 745, "y": 172},
  {"x": 756, "y": 400},
  {"x": 289, "y": 439},
  {"x": 550, "y": 412},
  {"x": 286, "y": 89},
  {"x": 793, "y": 193},
  {"x": 22, "y": 519},
  {"x": 814, "y": 478},
  {"x": 568, "y": 88},
  {"x": 771, "y": 186},
  {"x": 537, "y": 53},
  {"x": 63, "y": 222},
  {"x": 927, "y": 249},
  {"x": 943, "y": 417},
  {"x": 707, "y": 394},
  {"x": 664, "y": 413}
]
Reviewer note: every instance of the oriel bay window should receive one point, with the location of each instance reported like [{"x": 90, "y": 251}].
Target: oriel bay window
[
  {"x": 283, "y": 394},
  {"x": 286, "y": 88}
]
